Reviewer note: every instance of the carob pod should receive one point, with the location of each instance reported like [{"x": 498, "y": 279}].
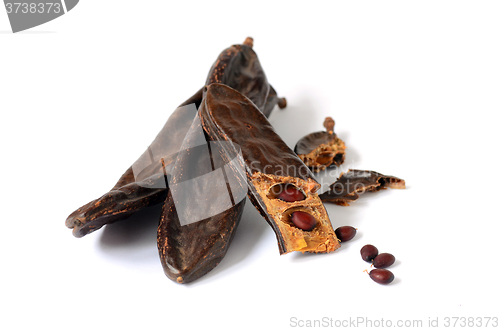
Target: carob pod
[
  {"x": 270, "y": 167},
  {"x": 320, "y": 150},
  {"x": 350, "y": 184},
  {"x": 130, "y": 194},
  {"x": 238, "y": 66},
  {"x": 201, "y": 212},
  {"x": 143, "y": 184}
]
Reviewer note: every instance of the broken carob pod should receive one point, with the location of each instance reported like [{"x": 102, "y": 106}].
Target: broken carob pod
[
  {"x": 202, "y": 210},
  {"x": 355, "y": 182},
  {"x": 320, "y": 150},
  {"x": 143, "y": 184},
  {"x": 297, "y": 216}
]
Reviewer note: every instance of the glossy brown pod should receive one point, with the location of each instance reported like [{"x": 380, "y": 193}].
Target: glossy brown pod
[
  {"x": 355, "y": 182},
  {"x": 319, "y": 150},
  {"x": 134, "y": 192},
  {"x": 384, "y": 260},
  {"x": 237, "y": 66},
  {"x": 228, "y": 116},
  {"x": 202, "y": 210}
]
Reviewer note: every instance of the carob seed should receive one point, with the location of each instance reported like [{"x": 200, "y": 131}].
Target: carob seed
[
  {"x": 381, "y": 276},
  {"x": 384, "y": 260},
  {"x": 369, "y": 252},
  {"x": 290, "y": 193},
  {"x": 303, "y": 221},
  {"x": 325, "y": 158},
  {"x": 345, "y": 233}
]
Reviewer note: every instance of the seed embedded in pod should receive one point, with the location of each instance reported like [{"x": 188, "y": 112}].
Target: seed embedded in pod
[
  {"x": 303, "y": 220},
  {"x": 290, "y": 193},
  {"x": 325, "y": 158}
]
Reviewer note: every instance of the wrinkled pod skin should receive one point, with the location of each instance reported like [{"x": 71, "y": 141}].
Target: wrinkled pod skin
[
  {"x": 237, "y": 66},
  {"x": 198, "y": 221}
]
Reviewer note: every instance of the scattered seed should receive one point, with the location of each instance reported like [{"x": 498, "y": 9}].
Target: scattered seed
[
  {"x": 381, "y": 276},
  {"x": 369, "y": 252},
  {"x": 384, "y": 260},
  {"x": 345, "y": 233}
]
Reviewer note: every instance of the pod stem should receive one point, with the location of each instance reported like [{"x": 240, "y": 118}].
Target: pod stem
[
  {"x": 329, "y": 124},
  {"x": 282, "y": 103},
  {"x": 248, "y": 42}
]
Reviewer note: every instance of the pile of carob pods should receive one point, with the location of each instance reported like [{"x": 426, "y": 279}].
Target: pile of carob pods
[{"x": 217, "y": 148}]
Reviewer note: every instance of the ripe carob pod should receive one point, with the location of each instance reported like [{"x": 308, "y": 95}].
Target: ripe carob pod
[
  {"x": 355, "y": 182},
  {"x": 202, "y": 210},
  {"x": 320, "y": 150},
  {"x": 238, "y": 66},
  {"x": 143, "y": 184},
  {"x": 300, "y": 221}
]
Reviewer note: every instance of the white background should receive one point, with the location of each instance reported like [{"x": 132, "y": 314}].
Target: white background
[{"x": 413, "y": 88}]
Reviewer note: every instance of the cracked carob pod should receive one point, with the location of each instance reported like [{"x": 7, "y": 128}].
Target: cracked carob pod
[
  {"x": 143, "y": 184},
  {"x": 280, "y": 186},
  {"x": 202, "y": 209},
  {"x": 320, "y": 150},
  {"x": 355, "y": 182}
]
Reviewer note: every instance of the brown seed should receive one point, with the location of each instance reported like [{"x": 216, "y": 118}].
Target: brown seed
[
  {"x": 384, "y": 260},
  {"x": 303, "y": 221},
  {"x": 325, "y": 158},
  {"x": 369, "y": 252},
  {"x": 345, "y": 233},
  {"x": 381, "y": 276},
  {"x": 290, "y": 193}
]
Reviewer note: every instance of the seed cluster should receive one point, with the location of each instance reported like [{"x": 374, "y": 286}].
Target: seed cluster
[
  {"x": 379, "y": 275},
  {"x": 291, "y": 193}
]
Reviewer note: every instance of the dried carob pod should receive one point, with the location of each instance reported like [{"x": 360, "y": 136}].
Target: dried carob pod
[
  {"x": 322, "y": 149},
  {"x": 143, "y": 184},
  {"x": 238, "y": 66},
  {"x": 297, "y": 216},
  {"x": 355, "y": 182},
  {"x": 139, "y": 189},
  {"x": 202, "y": 209}
]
